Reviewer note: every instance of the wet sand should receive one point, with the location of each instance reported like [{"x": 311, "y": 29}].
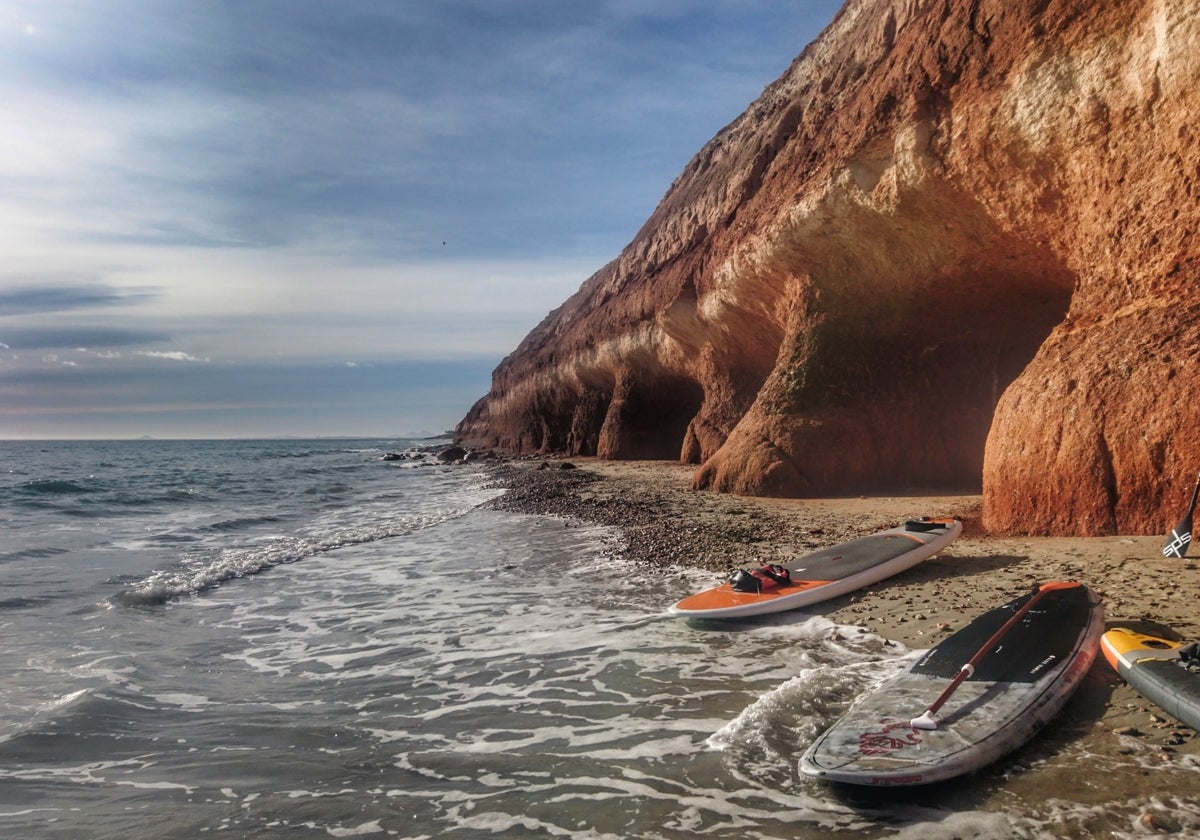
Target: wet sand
[{"x": 664, "y": 523}]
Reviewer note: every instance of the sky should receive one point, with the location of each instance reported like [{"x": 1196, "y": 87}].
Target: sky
[{"x": 251, "y": 218}]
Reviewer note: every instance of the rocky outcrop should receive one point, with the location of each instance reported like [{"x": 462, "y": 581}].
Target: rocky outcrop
[{"x": 952, "y": 247}]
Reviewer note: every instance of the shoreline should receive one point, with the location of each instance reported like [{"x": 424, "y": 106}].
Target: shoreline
[{"x": 666, "y": 524}]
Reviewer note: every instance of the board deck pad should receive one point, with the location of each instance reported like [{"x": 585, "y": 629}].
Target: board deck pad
[
  {"x": 829, "y": 572},
  {"x": 1023, "y": 652},
  {"x": 1154, "y": 667},
  {"x": 1025, "y": 679}
]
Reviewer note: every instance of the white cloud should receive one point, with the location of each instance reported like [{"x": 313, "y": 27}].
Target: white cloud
[{"x": 173, "y": 355}]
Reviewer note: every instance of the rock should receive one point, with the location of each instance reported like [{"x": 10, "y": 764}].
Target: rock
[
  {"x": 951, "y": 247},
  {"x": 1153, "y": 821},
  {"x": 451, "y": 454}
]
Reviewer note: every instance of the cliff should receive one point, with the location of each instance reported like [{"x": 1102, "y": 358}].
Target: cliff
[{"x": 952, "y": 247}]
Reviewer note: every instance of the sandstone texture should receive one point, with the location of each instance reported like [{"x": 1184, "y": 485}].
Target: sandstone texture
[{"x": 952, "y": 248}]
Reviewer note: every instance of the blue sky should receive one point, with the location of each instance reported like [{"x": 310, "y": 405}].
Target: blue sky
[{"x": 238, "y": 218}]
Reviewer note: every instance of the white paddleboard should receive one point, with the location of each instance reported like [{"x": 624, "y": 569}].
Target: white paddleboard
[{"x": 1021, "y": 683}]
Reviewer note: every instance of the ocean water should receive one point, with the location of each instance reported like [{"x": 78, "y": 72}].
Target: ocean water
[{"x": 296, "y": 638}]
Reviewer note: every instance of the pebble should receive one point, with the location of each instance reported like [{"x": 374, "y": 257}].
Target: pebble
[{"x": 1159, "y": 822}]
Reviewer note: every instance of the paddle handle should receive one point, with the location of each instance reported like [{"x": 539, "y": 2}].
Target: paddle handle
[{"x": 969, "y": 668}]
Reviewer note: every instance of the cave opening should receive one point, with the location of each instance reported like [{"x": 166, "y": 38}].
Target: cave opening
[
  {"x": 932, "y": 389},
  {"x": 654, "y": 418}
]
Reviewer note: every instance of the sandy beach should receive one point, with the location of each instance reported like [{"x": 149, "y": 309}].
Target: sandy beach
[{"x": 665, "y": 523}]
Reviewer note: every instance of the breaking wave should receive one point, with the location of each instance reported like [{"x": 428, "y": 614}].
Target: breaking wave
[{"x": 199, "y": 574}]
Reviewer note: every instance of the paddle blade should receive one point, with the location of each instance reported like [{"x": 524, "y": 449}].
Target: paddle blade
[
  {"x": 1179, "y": 539},
  {"x": 1181, "y": 535}
]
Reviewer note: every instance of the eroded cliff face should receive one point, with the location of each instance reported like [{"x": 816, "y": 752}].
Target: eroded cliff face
[{"x": 952, "y": 246}]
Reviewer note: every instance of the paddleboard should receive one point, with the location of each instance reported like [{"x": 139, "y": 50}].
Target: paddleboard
[
  {"x": 827, "y": 573},
  {"x": 1021, "y": 680},
  {"x": 1156, "y": 669}
]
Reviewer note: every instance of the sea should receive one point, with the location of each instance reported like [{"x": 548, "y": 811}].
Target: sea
[{"x": 305, "y": 639}]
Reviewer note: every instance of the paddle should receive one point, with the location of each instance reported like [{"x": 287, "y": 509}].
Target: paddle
[
  {"x": 1181, "y": 536},
  {"x": 927, "y": 720}
]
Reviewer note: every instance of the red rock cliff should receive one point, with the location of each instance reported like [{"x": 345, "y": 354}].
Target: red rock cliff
[{"x": 953, "y": 245}]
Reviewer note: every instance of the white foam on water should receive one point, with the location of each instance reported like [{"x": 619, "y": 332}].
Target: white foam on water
[
  {"x": 969, "y": 825},
  {"x": 372, "y": 827},
  {"x": 808, "y": 702},
  {"x": 186, "y": 702},
  {"x": 96, "y": 773},
  {"x": 151, "y": 785}
]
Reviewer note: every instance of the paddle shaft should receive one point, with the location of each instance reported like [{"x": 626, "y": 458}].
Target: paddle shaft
[
  {"x": 969, "y": 668},
  {"x": 1187, "y": 517}
]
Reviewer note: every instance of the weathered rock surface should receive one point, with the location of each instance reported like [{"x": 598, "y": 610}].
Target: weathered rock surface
[{"x": 953, "y": 246}]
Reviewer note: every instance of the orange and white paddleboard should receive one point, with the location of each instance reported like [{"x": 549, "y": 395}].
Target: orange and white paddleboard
[{"x": 827, "y": 573}]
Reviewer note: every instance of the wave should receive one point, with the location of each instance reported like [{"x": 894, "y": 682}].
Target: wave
[
  {"x": 95, "y": 497},
  {"x": 173, "y": 496},
  {"x": 53, "y": 486},
  {"x": 239, "y": 523},
  {"x": 203, "y": 574},
  {"x": 335, "y": 489},
  {"x": 276, "y": 454},
  {"x": 37, "y": 552},
  {"x": 24, "y": 603},
  {"x": 48, "y": 710}
]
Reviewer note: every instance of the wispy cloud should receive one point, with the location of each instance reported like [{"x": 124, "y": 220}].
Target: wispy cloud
[
  {"x": 25, "y": 297},
  {"x": 49, "y": 337},
  {"x": 173, "y": 355}
]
